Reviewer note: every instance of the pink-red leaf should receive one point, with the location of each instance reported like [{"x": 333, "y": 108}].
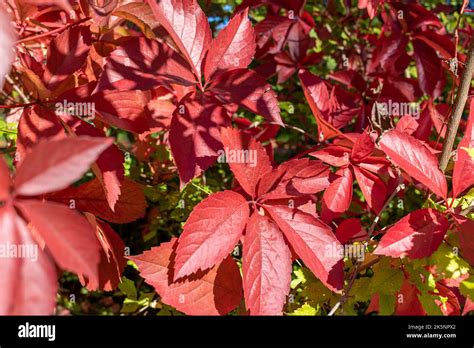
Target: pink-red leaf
[
  {"x": 28, "y": 285},
  {"x": 194, "y": 134},
  {"x": 417, "y": 235},
  {"x": 142, "y": 64},
  {"x": 67, "y": 53},
  {"x": 90, "y": 197},
  {"x": 187, "y": 24},
  {"x": 337, "y": 198},
  {"x": 211, "y": 232},
  {"x": 465, "y": 230},
  {"x": 67, "y": 234},
  {"x": 372, "y": 187},
  {"x": 112, "y": 260},
  {"x": 334, "y": 155},
  {"x": 249, "y": 90},
  {"x": 428, "y": 66},
  {"x": 5, "y": 182},
  {"x": 246, "y": 157},
  {"x": 213, "y": 292},
  {"x": 463, "y": 174},
  {"x": 54, "y": 165},
  {"x": 314, "y": 91},
  {"x": 350, "y": 229},
  {"x": 7, "y": 43},
  {"x": 266, "y": 267},
  {"x": 233, "y": 48},
  {"x": 414, "y": 158},
  {"x": 363, "y": 147},
  {"x": 314, "y": 242}
]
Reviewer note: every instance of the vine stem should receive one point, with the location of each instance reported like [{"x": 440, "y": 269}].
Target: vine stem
[
  {"x": 55, "y": 31},
  {"x": 358, "y": 265},
  {"x": 295, "y": 129},
  {"x": 13, "y": 106},
  {"x": 459, "y": 104}
]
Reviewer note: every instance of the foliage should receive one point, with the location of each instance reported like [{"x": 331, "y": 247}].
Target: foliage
[{"x": 234, "y": 158}]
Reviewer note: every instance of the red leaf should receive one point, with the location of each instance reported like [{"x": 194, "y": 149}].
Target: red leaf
[
  {"x": 407, "y": 124},
  {"x": 233, "y": 48},
  {"x": 409, "y": 304},
  {"x": 54, "y": 165},
  {"x": 214, "y": 292},
  {"x": 372, "y": 187},
  {"x": 124, "y": 109},
  {"x": 247, "y": 158},
  {"x": 314, "y": 242},
  {"x": 187, "y": 24},
  {"x": 350, "y": 230},
  {"x": 112, "y": 260},
  {"x": 387, "y": 51},
  {"x": 334, "y": 155},
  {"x": 266, "y": 267},
  {"x": 428, "y": 66},
  {"x": 67, "y": 53},
  {"x": 249, "y": 90},
  {"x": 28, "y": 285},
  {"x": 417, "y": 235},
  {"x": 67, "y": 234},
  {"x": 142, "y": 64},
  {"x": 465, "y": 230},
  {"x": 414, "y": 158},
  {"x": 64, "y": 4},
  {"x": 294, "y": 178},
  {"x": 90, "y": 197},
  {"x": 363, "y": 147},
  {"x": 35, "y": 125},
  {"x": 452, "y": 305},
  {"x": 7, "y": 43},
  {"x": 313, "y": 90},
  {"x": 337, "y": 198},
  {"x": 110, "y": 163},
  {"x": 211, "y": 232},
  {"x": 463, "y": 177},
  {"x": 5, "y": 182},
  {"x": 312, "y": 179},
  {"x": 194, "y": 134}
]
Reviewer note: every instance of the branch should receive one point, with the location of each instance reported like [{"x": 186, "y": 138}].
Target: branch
[{"x": 458, "y": 109}]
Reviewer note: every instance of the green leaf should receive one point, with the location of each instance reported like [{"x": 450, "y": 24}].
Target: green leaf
[
  {"x": 386, "y": 280},
  {"x": 305, "y": 309},
  {"x": 467, "y": 287},
  {"x": 127, "y": 286}
]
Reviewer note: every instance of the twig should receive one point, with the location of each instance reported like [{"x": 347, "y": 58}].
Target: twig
[
  {"x": 18, "y": 89},
  {"x": 296, "y": 129},
  {"x": 357, "y": 268},
  {"x": 17, "y": 105},
  {"x": 459, "y": 104},
  {"x": 55, "y": 31}
]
